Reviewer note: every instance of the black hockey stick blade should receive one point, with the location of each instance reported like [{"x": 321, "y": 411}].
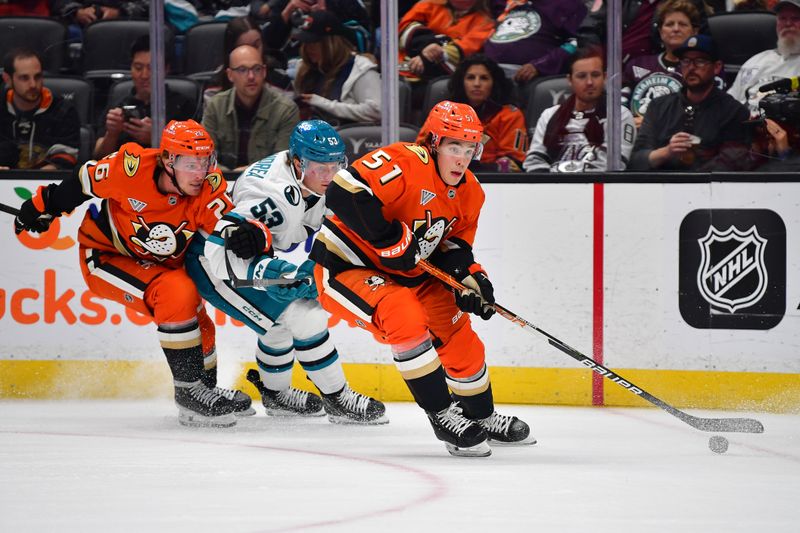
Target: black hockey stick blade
[
  {"x": 720, "y": 425},
  {"x": 254, "y": 378},
  {"x": 8, "y": 209}
]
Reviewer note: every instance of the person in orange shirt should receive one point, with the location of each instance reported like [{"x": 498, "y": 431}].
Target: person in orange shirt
[
  {"x": 435, "y": 35},
  {"x": 392, "y": 207},
  {"x": 480, "y": 82},
  {"x": 132, "y": 250}
]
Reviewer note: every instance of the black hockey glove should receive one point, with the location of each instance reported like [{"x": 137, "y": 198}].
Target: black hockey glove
[
  {"x": 404, "y": 253},
  {"x": 478, "y": 298},
  {"x": 32, "y": 213},
  {"x": 249, "y": 239}
]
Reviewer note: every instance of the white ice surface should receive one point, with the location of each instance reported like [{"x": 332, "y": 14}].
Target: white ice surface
[{"x": 128, "y": 466}]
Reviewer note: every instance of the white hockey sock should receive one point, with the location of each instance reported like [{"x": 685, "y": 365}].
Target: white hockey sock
[
  {"x": 275, "y": 365},
  {"x": 320, "y": 360}
]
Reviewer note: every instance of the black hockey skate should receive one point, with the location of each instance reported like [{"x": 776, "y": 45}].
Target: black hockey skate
[
  {"x": 199, "y": 406},
  {"x": 243, "y": 404},
  {"x": 461, "y": 436},
  {"x": 507, "y": 430},
  {"x": 350, "y": 407},
  {"x": 289, "y": 402}
]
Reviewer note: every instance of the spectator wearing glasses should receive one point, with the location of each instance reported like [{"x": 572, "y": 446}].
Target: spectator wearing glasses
[
  {"x": 251, "y": 120},
  {"x": 700, "y": 127},
  {"x": 128, "y": 120}
]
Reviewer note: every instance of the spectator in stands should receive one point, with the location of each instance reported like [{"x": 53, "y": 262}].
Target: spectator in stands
[
  {"x": 650, "y": 76},
  {"x": 780, "y": 62},
  {"x": 239, "y": 31},
  {"x": 638, "y": 38},
  {"x": 536, "y": 37},
  {"x": 571, "y": 137},
  {"x": 700, "y": 127},
  {"x": 333, "y": 82},
  {"x": 37, "y": 129},
  {"x": 287, "y": 14},
  {"x": 128, "y": 120},
  {"x": 80, "y": 13},
  {"x": 481, "y": 83},
  {"x": 435, "y": 36},
  {"x": 251, "y": 120}
]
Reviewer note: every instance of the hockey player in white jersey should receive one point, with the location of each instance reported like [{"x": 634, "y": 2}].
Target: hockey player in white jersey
[{"x": 280, "y": 202}]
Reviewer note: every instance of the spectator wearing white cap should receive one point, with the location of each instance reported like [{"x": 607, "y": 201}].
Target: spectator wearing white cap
[{"x": 780, "y": 62}]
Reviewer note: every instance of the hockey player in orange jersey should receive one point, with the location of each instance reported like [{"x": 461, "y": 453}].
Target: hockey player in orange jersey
[
  {"x": 132, "y": 250},
  {"x": 392, "y": 207}
]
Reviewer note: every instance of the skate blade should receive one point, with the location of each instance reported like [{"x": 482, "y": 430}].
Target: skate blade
[
  {"x": 479, "y": 450},
  {"x": 345, "y": 421},
  {"x": 248, "y": 412},
  {"x": 285, "y": 413},
  {"x": 527, "y": 441},
  {"x": 191, "y": 419}
]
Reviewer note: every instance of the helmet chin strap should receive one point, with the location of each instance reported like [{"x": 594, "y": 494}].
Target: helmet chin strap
[
  {"x": 172, "y": 178},
  {"x": 302, "y": 177}
]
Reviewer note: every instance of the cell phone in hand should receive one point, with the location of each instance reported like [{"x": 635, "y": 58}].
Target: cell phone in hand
[{"x": 129, "y": 112}]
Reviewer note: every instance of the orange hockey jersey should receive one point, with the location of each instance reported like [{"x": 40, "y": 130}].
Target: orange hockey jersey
[
  {"x": 138, "y": 220},
  {"x": 399, "y": 181},
  {"x": 468, "y": 32}
]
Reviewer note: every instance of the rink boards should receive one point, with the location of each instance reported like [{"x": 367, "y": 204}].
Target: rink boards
[{"x": 690, "y": 290}]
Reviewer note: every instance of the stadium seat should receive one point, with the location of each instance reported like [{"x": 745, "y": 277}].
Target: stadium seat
[
  {"x": 404, "y": 96},
  {"x": 107, "y": 44},
  {"x": 46, "y": 36},
  {"x": 185, "y": 86},
  {"x": 204, "y": 49},
  {"x": 546, "y": 92},
  {"x": 79, "y": 92},
  {"x": 739, "y": 35},
  {"x": 363, "y": 137},
  {"x": 76, "y": 90},
  {"x": 435, "y": 92}
]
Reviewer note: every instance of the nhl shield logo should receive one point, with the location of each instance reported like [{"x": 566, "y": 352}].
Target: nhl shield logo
[{"x": 732, "y": 273}]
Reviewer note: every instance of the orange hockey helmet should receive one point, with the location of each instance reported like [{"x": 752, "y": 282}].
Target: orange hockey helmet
[
  {"x": 186, "y": 137},
  {"x": 457, "y": 121}
]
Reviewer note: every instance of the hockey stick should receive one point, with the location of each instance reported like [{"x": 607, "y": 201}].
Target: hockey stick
[
  {"x": 8, "y": 209},
  {"x": 733, "y": 425},
  {"x": 244, "y": 283},
  {"x": 238, "y": 282}
]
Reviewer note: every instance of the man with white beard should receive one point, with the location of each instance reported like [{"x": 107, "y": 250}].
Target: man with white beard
[{"x": 769, "y": 65}]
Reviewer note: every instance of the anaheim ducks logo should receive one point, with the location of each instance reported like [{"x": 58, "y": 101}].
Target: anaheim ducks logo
[
  {"x": 430, "y": 232},
  {"x": 421, "y": 152},
  {"x": 161, "y": 239},
  {"x": 215, "y": 180},
  {"x": 130, "y": 163},
  {"x": 375, "y": 282}
]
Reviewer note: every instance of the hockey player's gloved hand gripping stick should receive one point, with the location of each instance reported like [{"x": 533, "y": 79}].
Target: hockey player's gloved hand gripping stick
[
  {"x": 28, "y": 217},
  {"x": 733, "y": 425},
  {"x": 259, "y": 282}
]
